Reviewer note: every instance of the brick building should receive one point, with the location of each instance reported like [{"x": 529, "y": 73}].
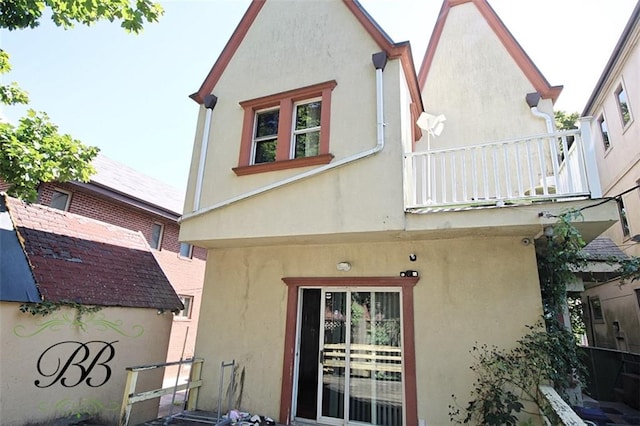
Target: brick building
[{"x": 120, "y": 195}]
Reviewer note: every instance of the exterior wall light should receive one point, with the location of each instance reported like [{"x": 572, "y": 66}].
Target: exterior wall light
[{"x": 343, "y": 266}]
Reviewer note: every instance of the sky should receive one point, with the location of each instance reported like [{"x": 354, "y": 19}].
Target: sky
[{"x": 128, "y": 94}]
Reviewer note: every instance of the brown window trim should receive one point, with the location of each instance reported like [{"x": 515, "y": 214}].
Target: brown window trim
[
  {"x": 284, "y": 101},
  {"x": 283, "y": 165},
  {"x": 409, "y": 349}
]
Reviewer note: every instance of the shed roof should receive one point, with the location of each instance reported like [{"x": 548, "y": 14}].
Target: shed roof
[{"x": 74, "y": 258}]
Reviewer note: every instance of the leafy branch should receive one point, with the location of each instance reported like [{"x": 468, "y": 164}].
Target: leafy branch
[{"x": 548, "y": 353}]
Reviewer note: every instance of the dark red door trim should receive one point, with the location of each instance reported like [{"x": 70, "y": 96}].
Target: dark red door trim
[{"x": 294, "y": 284}]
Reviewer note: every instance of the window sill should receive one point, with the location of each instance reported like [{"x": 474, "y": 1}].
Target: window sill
[
  {"x": 283, "y": 165},
  {"x": 181, "y": 319}
]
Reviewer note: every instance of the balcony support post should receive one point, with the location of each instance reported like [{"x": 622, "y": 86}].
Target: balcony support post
[{"x": 589, "y": 152}]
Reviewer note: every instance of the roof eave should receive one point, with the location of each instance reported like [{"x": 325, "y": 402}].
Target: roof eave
[{"x": 617, "y": 51}]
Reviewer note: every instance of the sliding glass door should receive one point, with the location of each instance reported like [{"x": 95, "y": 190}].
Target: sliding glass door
[{"x": 360, "y": 356}]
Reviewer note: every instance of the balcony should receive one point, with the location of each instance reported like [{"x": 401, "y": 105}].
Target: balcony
[{"x": 551, "y": 167}]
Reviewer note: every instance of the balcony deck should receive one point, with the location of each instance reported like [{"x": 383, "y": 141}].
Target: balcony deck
[{"x": 552, "y": 167}]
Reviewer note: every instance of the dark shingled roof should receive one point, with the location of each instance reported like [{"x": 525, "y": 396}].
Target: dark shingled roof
[
  {"x": 74, "y": 258},
  {"x": 125, "y": 180},
  {"x": 603, "y": 248}
]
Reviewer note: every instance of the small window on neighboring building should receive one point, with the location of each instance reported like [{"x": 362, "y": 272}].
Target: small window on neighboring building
[
  {"x": 187, "y": 301},
  {"x": 156, "y": 236},
  {"x": 624, "y": 221},
  {"x": 60, "y": 200},
  {"x": 604, "y": 132},
  {"x": 623, "y": 105},
  {"x": 186, "y": 250},
  {"x": 596, "y": 309}
]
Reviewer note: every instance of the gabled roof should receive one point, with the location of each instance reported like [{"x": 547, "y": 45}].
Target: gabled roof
[
  {"x": 520, "y": 57},
  {"x": 73, "y": 258},
  {"x": 603, "y": 249},
  {"x": 120, "y": 181},
  {"x": 394, "y": 50},
  {"x": 626, "y": 37}
]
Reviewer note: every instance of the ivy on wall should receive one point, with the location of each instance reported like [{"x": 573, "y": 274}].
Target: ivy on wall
[
  {"x": 45, "y": 308},
  {"x": 547, "y": 354}
]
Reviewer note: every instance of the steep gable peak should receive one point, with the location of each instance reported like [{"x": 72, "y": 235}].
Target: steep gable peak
[
  {"x": 401, "y": 51},
  {"x": 520, "y": 57}
]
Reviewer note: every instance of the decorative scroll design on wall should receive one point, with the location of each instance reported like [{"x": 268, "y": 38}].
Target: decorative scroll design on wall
[
  {"x": 69, "y": 407},
  {"x": 69, "y": 320}
]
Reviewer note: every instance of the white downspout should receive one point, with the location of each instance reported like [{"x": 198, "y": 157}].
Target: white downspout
[
  {"x": 547, "y": 118},
  {"x": 533, "y": 99},
  {"x": 379, "y": 61},
  {"x": 209, "y": 104}
]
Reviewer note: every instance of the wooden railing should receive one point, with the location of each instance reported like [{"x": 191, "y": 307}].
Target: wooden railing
[
  {"x": 544, "y": 167},
  {"x": 368, "y": 358},
  {"x": 131, "y": 397}
]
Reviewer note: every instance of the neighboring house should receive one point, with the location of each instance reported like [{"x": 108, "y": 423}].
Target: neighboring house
[
  {"x": 72, "y": 362},
  {"x": 613, "y": 307},
  {"x": 122, "y": 196},
  {"x": 355, "y": 258}
]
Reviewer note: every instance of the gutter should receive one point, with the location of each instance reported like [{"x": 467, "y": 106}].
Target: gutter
[{"x": 379, "y": 61}]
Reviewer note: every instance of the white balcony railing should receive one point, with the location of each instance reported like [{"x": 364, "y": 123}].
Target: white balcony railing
[{"x": 501, "y": 173}]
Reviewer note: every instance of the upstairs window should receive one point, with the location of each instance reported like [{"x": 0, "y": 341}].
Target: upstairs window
[
  {"x": 286, "y": 130},
  {"x": 60, "y": 200},
  {"x": 306, "y": 133},
  {"x": 623, "y": 105},
  {"x": 604, "y": 132},
  {"x": 265, "y": 137},
  {"x": 186, "y": 250},
  {"x": 156, "y": 236}
]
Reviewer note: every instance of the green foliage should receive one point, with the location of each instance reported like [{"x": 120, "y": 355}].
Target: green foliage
[
  {"x": 35, "y": 152},
  {"x": 565, "y": 120},
  {"x": 629, "y": 268},
  {"x": 22, "y": 14},
  {"x": 10, "y": 94},
  {"x": 548, "y": 353},
  {"x": 560, "y": 256},
  {"x": 507, "y": 377},
  {"x": 45, "y": 308}
]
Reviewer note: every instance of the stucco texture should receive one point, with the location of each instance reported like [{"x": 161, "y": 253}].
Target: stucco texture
[
  {"x": 471, "y": 290},
  {"x": 52, "y": 368},
  {"x": 334, "y": 199}
]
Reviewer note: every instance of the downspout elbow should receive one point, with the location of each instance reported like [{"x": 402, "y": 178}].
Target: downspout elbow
[{"x": 533, "y": 99}]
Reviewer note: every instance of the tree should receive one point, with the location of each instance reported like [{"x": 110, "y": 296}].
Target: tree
[
  {"x": 565, "y": 120},
  {"x": 34, "y": 151}
]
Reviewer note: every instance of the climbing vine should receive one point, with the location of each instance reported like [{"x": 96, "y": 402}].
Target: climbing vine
[
  {"x": 46, "y": 307},
  {"x": 548, "y": 353}
]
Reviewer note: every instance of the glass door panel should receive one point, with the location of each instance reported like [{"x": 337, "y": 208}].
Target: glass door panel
[
  {"x": 361, "y": 358},
  {"x": 375, "y": 359},
  {"x": 333, "y": 355}
]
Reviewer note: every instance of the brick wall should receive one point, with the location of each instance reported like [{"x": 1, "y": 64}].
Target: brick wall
[{"x": 186, "y": 275}]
